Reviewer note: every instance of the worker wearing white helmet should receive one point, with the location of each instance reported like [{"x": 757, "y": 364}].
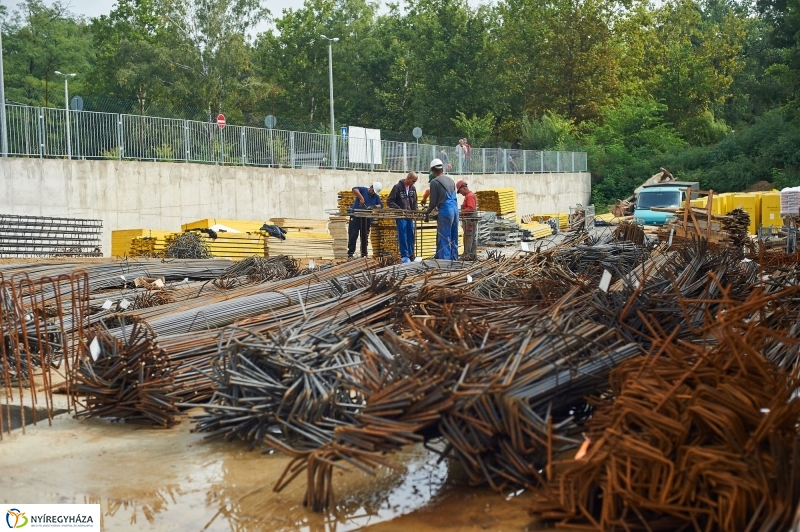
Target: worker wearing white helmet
[
  {"x": 434, "y": 163},
  {"x": 443, "y": 197},
  {"x": 366, "y": 198}
]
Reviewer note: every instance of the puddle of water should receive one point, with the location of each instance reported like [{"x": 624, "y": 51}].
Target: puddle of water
[{"x": 166, "y": 480}]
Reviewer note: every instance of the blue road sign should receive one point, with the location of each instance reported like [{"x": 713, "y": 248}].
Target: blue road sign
[{"x": 344, "y": 132}]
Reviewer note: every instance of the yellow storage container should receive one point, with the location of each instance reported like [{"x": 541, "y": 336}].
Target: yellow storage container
[
  {"x": 748, "y": 203},
  {"x": 771, "y": 209},
  {"x": 699, "y": 203},
  {"x": 722, "y": 203}
]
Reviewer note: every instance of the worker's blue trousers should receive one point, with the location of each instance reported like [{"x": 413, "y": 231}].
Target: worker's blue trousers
[
  {"x": 447, "y": 229},
  {"x": 405, "y": 238}
]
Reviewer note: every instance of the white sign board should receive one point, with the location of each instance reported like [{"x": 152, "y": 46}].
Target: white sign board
[{"x": 364, "y": 145}]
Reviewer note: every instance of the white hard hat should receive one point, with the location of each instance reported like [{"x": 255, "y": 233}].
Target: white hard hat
[
  {"x": 376, "y": 187},
  {"x": 436, "y": 162}
]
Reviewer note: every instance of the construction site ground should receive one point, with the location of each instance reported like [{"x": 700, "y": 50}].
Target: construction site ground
[{"x": 174, "y": 479}]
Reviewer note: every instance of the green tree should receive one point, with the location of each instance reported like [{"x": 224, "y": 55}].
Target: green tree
[
  {"x": 477, "y": 129},
  {"x": 41, "y": 39},
  {"x": 695, "y": 53},
  {"x": 547, "y": 132},
  {"x": 560, "y": 56}
]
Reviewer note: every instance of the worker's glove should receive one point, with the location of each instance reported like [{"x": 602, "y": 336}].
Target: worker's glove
[
  {"x": 427, "y": 218},
  {"x": 363, "y": 205}
]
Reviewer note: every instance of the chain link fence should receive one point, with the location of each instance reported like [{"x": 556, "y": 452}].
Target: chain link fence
[{"x": 55, "y": 133}]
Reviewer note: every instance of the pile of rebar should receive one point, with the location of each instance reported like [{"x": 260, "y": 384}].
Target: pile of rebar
[
  {"x": 188, "y": 245},
  {"x": 679, "y": 364},
  {"x": 41, "y": 236},
  {"x": 126, "y": 379},
  {"x": 697, "y": 436}
]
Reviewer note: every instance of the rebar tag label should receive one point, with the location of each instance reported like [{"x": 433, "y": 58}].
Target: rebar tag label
[
  {"x": 94, "y": 349},
  {"x": 605, "y": 280},
  {"x": 524, "y": 246},
  {"x": 107, "y": 304}
]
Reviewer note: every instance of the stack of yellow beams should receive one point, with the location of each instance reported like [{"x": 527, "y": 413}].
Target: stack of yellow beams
[
  {"x": 499, "y": 200},
  {"x": 301, "y": 245},
  {"x": 383, "y": 238},
  {"x": 538, "y": 230},
  {"x": 122, "y": 241},
  {"x": 563, "y": 219},
  {"x": 346, "y": 199},
  {"x": 234, "y": 246},
  {"x": 146, "y": 246},
  {"x": 425, "y": 240},
  {"x": 305, "y": 239},
  {"x": 337, "y": 227},
  {"x": 244, "y": 226},
  {"x": 771, "y": 209}
]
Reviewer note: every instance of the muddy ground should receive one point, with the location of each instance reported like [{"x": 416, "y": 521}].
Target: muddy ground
[{"x": 173, "y": 479}]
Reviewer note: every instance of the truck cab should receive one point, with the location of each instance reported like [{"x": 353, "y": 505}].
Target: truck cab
[{"x": 663, "y": 196}]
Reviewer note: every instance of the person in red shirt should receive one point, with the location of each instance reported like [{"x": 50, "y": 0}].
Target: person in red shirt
[{"x": 468, "y": 209}]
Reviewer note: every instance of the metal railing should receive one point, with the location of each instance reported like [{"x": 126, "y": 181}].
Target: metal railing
[{"x": 41, "y": 132}]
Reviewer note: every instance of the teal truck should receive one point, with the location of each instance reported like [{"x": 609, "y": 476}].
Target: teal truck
[{"x": 661, "y": 195}]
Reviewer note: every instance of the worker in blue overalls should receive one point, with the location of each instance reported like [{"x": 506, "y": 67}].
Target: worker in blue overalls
[
  {"x": 404, "y": 197},
  {"x": 359, "y": 227},
  {"x": 443, "y": 197}
]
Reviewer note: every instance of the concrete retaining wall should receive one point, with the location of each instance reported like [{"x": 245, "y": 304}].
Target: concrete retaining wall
[{"x": 132, "y": 195}]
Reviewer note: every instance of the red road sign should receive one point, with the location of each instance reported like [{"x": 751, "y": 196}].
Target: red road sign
[{"x": 221, "y": 121}]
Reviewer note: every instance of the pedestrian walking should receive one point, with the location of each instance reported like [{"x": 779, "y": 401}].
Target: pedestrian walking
[
  {"x": 461, "y": 153},
  {"x": 443, "y": 198},
  {"x": 469, "y": 209},
  {"x": 404, "y": 196},
  {"x": 359, "y": 227},
  {"x": 444, "y": 158}
]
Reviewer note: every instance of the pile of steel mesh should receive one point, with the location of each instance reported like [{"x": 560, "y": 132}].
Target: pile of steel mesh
[{"x": 41, "y": 236}]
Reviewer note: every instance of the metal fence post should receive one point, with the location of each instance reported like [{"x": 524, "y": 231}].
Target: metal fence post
[
  {"x": 573, "y": 162},
  {"x": 524, "y": 161},
  {"x": 187, "y": 150},
  {"x": 40, "y": 128},
  {"x": 291, "y": 148},
  {"x": 541, "y": 161},
  {"x": 505, "y": 161},
  {"x": 120, "y": 147},
  {"x": 244, "y": 146},
  {"x": 558, "y": 161},
  {"x": 483, "y": 159},
  {"x": 405, "y": 157}
]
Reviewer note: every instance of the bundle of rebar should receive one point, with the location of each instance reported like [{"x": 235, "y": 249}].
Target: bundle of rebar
[
  {"x": 127, "y": 379},
  {"x": 188, "y": 245}
]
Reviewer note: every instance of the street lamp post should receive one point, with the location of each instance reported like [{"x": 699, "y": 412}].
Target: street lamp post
[
  {"x": 330, "y": 82},
  {"x": 3, "y": 130},
  {"x": 66, "y": 109}
]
